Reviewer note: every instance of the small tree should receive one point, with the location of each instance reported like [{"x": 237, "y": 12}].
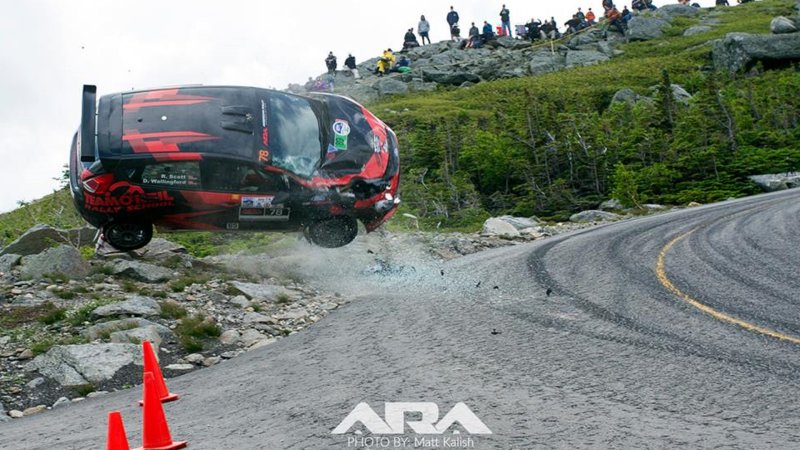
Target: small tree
[{"x": 626, "y": 186}]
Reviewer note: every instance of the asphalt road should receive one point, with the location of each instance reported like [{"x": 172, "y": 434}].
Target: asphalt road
[{"x": 680, "y": 329}]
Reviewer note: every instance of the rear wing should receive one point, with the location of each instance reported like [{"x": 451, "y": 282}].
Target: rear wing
[{"x": 87, "y": 143}]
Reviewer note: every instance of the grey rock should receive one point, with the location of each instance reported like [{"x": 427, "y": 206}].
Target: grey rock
[
  {"x": 63, "y": 259},
  {"x": 8, "y": 262},
  {"x": 3, "y": 414},
  {"x": 782, "y": 25},
  {"x": 33, "y": 410},
  {"x": 137, "y": 336},
  {"x": 15, "y": 414},
  {"x": 211, "y": 361},
  {"x": 107, "y": 328},
  {"x": 548, "y": 62},
  {"x": 611, "y": 204},
  {"x": 645, "y": 27},
  {"x": 180, "y": 367},
  {"x": 148, "y": 273},
  {"x": 497, "y": 227},
  {"x": 74, "y": 365},
  {"x": 194, "y": 358},
  {"x": 697, "y": 29},
  {"x": 391, "y": 86},
  {"x": 136, "y": 305},
  {"x": 593, "y": 216},
  {"x": 739, "y": 51},
  {"x": 777, "y": 182},
  {"x": 449, "y": 78},
  {"x": 654, "y": 207},
  {"x": 240, "y": 301},
  {"x": 625, "y": 95},
  {"x": 585, "y": 57},
  {"x": 61, "y": 402},
  {"x": 590, "y": 36},
  {"x": 229, "y": 337},
  {"x": 520, "y": 223},
  {"x": 254, "y": 317},
  {"x": 680, "y": 94},
  {"x": 292, "y": 314},
  {"x": 251, "y": 337},
  {"x": 34, "y": 383},
  {"x": 672, "y": 11},
  {"x": 256, "y": 291},
  {"x": 40, "y": 237}
]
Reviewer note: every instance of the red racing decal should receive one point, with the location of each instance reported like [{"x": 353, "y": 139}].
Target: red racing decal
[
  {"x": 162, "y": 142},
  {"x": 166, "y": 97}
]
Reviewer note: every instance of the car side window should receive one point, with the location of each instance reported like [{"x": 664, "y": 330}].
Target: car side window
[
  {"x": 178, "y": 174},
  {"x": 233, "y": 176}
]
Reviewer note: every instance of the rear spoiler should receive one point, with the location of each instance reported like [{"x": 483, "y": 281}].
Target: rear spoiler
[{"x": 87, "y": 145}]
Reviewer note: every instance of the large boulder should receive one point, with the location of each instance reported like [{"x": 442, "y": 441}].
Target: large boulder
[
  {"x": 625, "y": 95},
  {"x": 391, "y": 86},
  {"x": 739, "y": 51},
  {"x": 148, "y": 273},
  {"x": 8, "y": 262},
  {"x": 63, "y": 259},
  {"x": 782, "y": 25},
  {"x": 697, "y": 29},
  {"x": 676, "y": 10},
  {"x": 138, "y": 335},
  {"x": 76, "y": 365},
  {"x": 497, "y": 227},
  {"x": 41, "y": 237},
  {"x": 137, "y": 305},
  {"x": 451, "y": 78},
  {"x": 546, "y": 62},
  {"x": 160, "y": 249},
  {"x": 593, "y": 216},
  {"x": 777, "y": 182},
  {"x": 520, "y": 223},
  {"x": 584, "y": 57},
  {"x": 645, "y": 27}
]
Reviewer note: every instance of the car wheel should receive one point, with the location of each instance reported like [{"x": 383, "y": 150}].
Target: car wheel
[
  {"x": 127, "y": 236},
  {"x": 334, "y": 232}
]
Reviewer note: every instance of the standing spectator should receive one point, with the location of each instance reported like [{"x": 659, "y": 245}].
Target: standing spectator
[
  {"x": 452, "y": 21},
  {"x": 556, "y": 33},
  {"x": 350, "y": 63},
  {"x": 534, "y": 29},
  {"x": 573, "y": 24},
  {"x": 590, "y": 17},
  {"x": 330, "y": 63},
  {"x": 505, "y": 19},
  {"x": 424, "y": 28}
]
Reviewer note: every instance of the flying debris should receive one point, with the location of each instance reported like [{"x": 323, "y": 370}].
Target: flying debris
[
  {"x": 495, "y": 332},
  {"x": 548, "y": 292},
  {"x": 478, "y": 285},
  {"x": 441, "y": 271}
]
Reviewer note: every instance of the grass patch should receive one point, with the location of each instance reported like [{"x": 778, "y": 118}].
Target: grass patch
[
  {"x": 130, "y": 286},
  {"x": 56, "y": 277},
  {"x": 192, "y": 331},
  {"x": 84, "y": 313},
  {"x": 11, "y": 317},
  {"x": 187, "y": 280},
  {"x": 172, "y": 310},
  {"x": 84, "y": 389},
  {"x": 53, "y": 315},
  {"x": 283, "y": 298}
]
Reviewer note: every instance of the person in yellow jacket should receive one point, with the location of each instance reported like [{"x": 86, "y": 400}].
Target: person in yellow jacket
[{"x": 386, "y": 62}]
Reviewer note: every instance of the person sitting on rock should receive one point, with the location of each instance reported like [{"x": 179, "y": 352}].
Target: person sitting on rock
[
  {"x": 573, "y": 25},
  {"x": 488, "y": 32},
  {"x": 590, "y": 17},
  {"x": 649, "y": 4},
  {"x": 403, "y": 65},
  {"x": 547, "y": 30},
  {"x": 626, "y": 15},
  {"x": 614, "y": 19},
  {"x": 350, "y": 63},
  {"x": 555, "y": 33},
  {"x": 455, "y": 33},
  {"x": 582, "y": 18},
  {"x": 607, "y": 5},
  {"x": 638, "y": 5},
  {"x": 474, "y": 37},
  {"x": 386, "y": 62},
  {"x": 409, "y": 40}
]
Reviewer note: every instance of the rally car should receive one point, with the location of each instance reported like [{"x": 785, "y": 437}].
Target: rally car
[{"x": 231, "y": 159}]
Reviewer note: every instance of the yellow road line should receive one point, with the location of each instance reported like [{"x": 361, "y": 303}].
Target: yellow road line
[{"x": 664, "y": 280}]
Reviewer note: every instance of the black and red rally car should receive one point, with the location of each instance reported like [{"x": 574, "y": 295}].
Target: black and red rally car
[{"x": 231, "y": 158}]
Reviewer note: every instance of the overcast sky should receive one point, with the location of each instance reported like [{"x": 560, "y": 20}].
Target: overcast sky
[{"x": 50, "y": 48}]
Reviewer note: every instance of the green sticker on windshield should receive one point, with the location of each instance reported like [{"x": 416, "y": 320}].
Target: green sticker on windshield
[{"x": 340, "y": 141}]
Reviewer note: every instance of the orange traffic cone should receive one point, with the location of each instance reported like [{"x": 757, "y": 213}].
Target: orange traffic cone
[
  {"x": 151, "y": 365},
  {"x": 155, "y": 431},
  {"x": 117, "y": 439}
]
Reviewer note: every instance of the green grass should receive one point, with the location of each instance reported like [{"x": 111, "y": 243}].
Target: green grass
[
  {"x": 55, "y": 210},
  {"x": 193, "y": 331},
  {"x": 171, "y": 309}
]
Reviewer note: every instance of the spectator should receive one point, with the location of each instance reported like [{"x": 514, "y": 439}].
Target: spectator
[
  {"x": 614, "y": 19},
  {"x": 330, "y": 63},
  {"x": 626, "y": 15},
  {"x": 607, "y": 5},
  {"x": 488, "y": 32},
  {"x": 534, "y": 29},
  {"x": 409, "y": 40},
  {"x": 722, "y": 3},
  {"x": 452, "y": 21},
  {"x": 403, "y": 65},
  {"x": 638, "y": 5},
  {"x": 423, "y": 28},
  {"x": 683, "y": 2},
  {"x": 547, "y": 30},
  {"x": 455, "y": 33},
  {"x": 474, "y": 37},
  {"x": 386, "y": 62},
  {"x": 573, "y": 24},
  {"x": 649, "y": 4},
  {"x": 350, "y": 63},
  {"x": 554, "y": 25},
  {"x": 582, "y": 18},
  {"x": 505, "y": 19},
  {"x": 590, "y": 17}
]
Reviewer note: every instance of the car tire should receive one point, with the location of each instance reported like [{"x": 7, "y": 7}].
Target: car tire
[
  {"x": 332, "y": 233},
  {"x": 127, "y": 236}
]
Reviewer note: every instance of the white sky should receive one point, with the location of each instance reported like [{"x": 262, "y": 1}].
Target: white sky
[{"x": 50, "y": 48}]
